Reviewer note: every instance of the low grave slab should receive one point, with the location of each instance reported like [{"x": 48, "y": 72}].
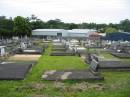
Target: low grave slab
[
  {"x": 113, "y": 65},
  {"x": 58, "y": 49},
  {"x": 58, "y": 46},
  {"x": 30, "y": 51},
  {"x": 14, "y": 70},
  {"x": 53, "y": 75},
  {"x": 62, "y": 54},
  {"x": 121, "y": 55}
]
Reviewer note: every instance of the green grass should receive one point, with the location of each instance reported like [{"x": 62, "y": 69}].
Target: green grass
[{"x": 116, "y": 84}]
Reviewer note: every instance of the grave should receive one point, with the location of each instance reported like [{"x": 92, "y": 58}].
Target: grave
[
  {"x": 62, "y": 53},
  {"x": 81, "y": 50},
  {"x": 94, "y": 66},
  {"x": 59, "y": 49},
  {"x": 120, "y": 50},
  {"x": 121, "y": 55},
  {"x": 88, "y": 58},
  {"x": 2, "y": 51},
  {"x": 109, "y": 64},
  {"x": 27, "y": 48},
  {"x": 14, "y": 70},
  {"x": 32, "y": 50},
  {"x": 114, "y": 65},
  {"x": 54, "y": 75}
]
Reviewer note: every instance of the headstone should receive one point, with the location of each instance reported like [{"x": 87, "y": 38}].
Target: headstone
[
  {"x": 94, "y": 65},
  {"x": 23, "y": 45},
  {"x": 2, "y": 50}
]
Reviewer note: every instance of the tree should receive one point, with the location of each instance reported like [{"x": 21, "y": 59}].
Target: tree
[
  {"x": 73, "y": 26},
  {"x": 110, "y": 30},
  {"x": 6, "y": 27},
  {"x": 21, "y": 26},
  {"x": 125, "y": 25}
]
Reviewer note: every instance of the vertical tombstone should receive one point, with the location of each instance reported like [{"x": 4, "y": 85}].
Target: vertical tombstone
[
  {"x": 23, "y": 45},
  {"x": 29, "y": 44},
  {"x": 2, "y": 50}
]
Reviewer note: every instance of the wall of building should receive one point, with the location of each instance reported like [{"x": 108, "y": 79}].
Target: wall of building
[
  {"x": 125, "y": 36},
  {"x": 81, "y": 33}
]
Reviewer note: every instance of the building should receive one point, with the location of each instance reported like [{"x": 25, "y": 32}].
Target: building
[
  {"x": 48, "y": 33},
  {"x": 56, "y": 33},
  {"x": 117, "y": 36}
]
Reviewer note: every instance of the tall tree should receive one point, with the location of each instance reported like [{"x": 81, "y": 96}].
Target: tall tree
[
  {"x": 110, "y": 30},
  {"x": 6, "y": 27},
  {"x": 125, "y": 25},
  {"x": 21, "y": 26}
]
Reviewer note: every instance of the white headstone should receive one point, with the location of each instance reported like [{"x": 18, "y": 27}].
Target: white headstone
[
  {"x": 2, "y": 50},
  {"x": 23, "y": 45}
]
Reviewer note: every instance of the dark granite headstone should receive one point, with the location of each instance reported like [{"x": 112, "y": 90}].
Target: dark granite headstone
[
  {"x": 94, "y": 65},
  {"x": 88, "y": 58}
]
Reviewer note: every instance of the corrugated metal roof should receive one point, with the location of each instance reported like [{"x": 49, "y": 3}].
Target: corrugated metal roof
[
  {"x": 81, "y": 31},
  {"x": 48, "y": 30}
]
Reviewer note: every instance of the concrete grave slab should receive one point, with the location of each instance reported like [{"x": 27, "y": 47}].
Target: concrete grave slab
[
  {"x": 121, "y": 55},
  {"x": 114, "y": 65},
  {"x": 14, "y": 70},
  {"x": 61, "y": 53},
  {"x": 71, "y": 75}
]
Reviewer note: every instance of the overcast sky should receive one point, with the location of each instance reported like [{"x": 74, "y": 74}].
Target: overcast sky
[{"x": 77, "y": 11}]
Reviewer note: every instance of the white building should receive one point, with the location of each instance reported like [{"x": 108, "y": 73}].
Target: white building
[{"x": 55, "y": 33}]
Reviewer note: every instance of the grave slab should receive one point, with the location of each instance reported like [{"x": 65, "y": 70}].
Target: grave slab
[
  {"x": 113, "y": 65},
  {"x": 54, "y": 75},
  {"x": 14, "y": 70},
  {"x": 61, "y": 53},
  {"x": 121, "y": 55}
]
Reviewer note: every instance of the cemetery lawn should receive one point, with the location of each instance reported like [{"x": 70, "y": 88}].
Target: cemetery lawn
[{"x": 116, "y": 84}]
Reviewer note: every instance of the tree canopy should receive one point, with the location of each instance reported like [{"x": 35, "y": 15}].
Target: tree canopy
[
  {"x": 21, "y": 26},
  {"x": 110, "y": 30}
]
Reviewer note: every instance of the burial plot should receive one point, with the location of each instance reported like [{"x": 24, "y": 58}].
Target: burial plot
[
  {"x": 14, "y": 70},
  {"x": 29, "y": 49},
  {"x": 110, "y": 64},
  {"x": 32, "y": 50},
  {"x": 121, "y": 55},
  {"x": 59, "y": 48},
  {"x": 120, "y": 50},
  {"x": 88, "y": 58},
  {"x": 61, "y": 53},
  {"x": 54, "y": 75},
  {"x": 114, "y": 65},
  {"x": 81, "y": 50}
]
